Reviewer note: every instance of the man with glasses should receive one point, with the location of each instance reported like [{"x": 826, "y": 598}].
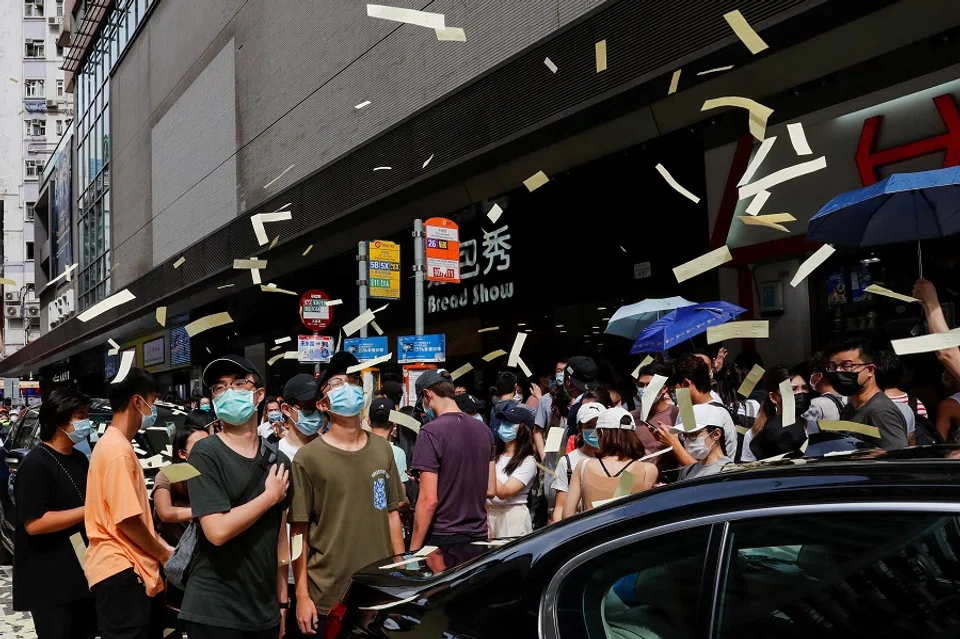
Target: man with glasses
[
  {"x": 852, "y": 371},
  {"x": 347, "y": 491},
  {"x": 236, "y": 585}
]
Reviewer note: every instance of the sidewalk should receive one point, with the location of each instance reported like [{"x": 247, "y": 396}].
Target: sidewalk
[{"x": 12, "y": 624}]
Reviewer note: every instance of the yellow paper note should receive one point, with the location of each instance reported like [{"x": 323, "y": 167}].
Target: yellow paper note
[
  {"x": 799, "y": 139},
  {"x": 886, "y": 292},
  {"x": 451, "y": 34},
  {"x": 7, "y": 281},
  {"x": 748, "y": 329},
  {"x": 376, "y": 327},
  {"x": 515, "y": 350},
  {"x": 702, "y": 264},
  {"x": 126, "y": 363},
  {"x": 274, "y": 242},
  {"x": 161, "y": 314},
  {"x": 275, "y": 349},
  {"x": 249, "y": 264},
  {"x": 550, "y": 65},
  {"x": 168, "y": 631},
  {"x": 535, "y": 181},
  {"x": 687, "y": 417},
  {"x": 259, "y": 219},
  {"x": 604, "y": 502},
  {"x": 273, "y": 360},
  {"x": 772, "y": 221},
  {"x": 356, "y": 368},
  {"x": 408, "y": 16},
  {"x": 758, "y": 112},
  {"x": 79, "y": 548},
  {"x": 926, "y": 343},
  {"x": 674, "y": 82},
  {"x": 426, "y": 550},
  {"x": 783, "y": 175},
  {"x": 625, "y": 485},
  {"x": 406, "y": 563},
  {"x": 545, "y": 469},
  {"x": 716, "y": 70},
  {"x": 428, "y": 161},
  {"x": 489, "y": 329},
  {"x": 756, "y": 204},
  {"x": 291, "y": 355},
  {"x": 745, "y": 32},
  {"x": 601, "y": 55},
  {"x": 180, "y": 472},
  {"x": 758, "y": 158},
  {"x": 206, "y": 323},
  {"x": 656, "y": 454},
  {"x": 750, "y": 381},
  {"x": 114, "y": 347},
  {"x": 494, "y": 213},
  {"x": 811, "y": 263},
  {"x": 850, "y": 427},
  {"x": 296, "y": 547},
  {"x": 554, "y": 440},
  {"x": 309, "y": 248},
  {"x": 402, "y": 419},
  {"x": 523, "y": 366},
  {"x": 636, "y": 372},
  {"x": 676, "y": 185},
  {"x": 274, "y": 181},
  {"x": 650, "y": 393},
  {"x": 103, "y": 306},
  {"x": 489, "y": 357},
  {"x": 282, "y": 340},
  {"x": 275, "y": 289},
  {"x": 789, "y": 406},
  {"x": 463, "y": 370},
  {"x": 179, "y": 262},
  {"x": 358, "y": 322}
]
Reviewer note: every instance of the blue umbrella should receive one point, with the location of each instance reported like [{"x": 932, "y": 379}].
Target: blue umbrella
[
  {"x": 905, "y": 207},
  {"x": 683, "y": 324},
  {"x": 629, "y": 320}
]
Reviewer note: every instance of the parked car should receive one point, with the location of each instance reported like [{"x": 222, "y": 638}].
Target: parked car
[
  {"x": 25, "y": 435},
  {"x": 863, "y": 545}
]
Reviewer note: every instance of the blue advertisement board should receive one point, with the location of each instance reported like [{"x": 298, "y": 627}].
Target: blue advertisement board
[
  {"x": 366, "y": 348},
  {"x": 421, "y": 348}
]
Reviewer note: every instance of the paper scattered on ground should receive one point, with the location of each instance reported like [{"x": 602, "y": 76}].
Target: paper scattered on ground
[
  {"x": 781, "y": 176},
  {"x": 636, "y": 372},
  {"x": 515, "y": 350},
  {"x": 408, "y": 16},
  {"x": 758, "y": 112},
  {"x": 757, "y": 160},
  {"x": 789, "y": 406},
  {"x": 676, "y": 185},
  {"x": 206, "y": 323},
  {"x": 535, "y": 181},
  {"x": 601, "y": 55},
  {"x": 554, "y": 439},
  {"x": 249, "y": 264},
  {"x": 715, "y": 70},
  {"x": 750, "y": 381},
  {"x": 494, "y": 213},
  {"x": 274, "y": 180},
  {"x": 402, "y": 419},
  {"x": 649, "y": 394},
  {"x": 121, "y": 297},
  {"x": 161, "y": 314},
  {"x": 926, "y": 343},
  {"x": 180, "y": 472},
  {"x": 489, "y": 357},
  {"x": 296, "y": 547},
  {"x": 358, "y": 322},
  {"x": 114, "y": 347},
  {"x": 260, "y": 219},
  {"x": 702, "y": 264},
  {"x": 451, "y": 34},
  {"x": 550, "y": 65},
  {"x": 745, "y": 32},
  {"x": 179, "y": 262},
  {"x": 685, "y": 404},
  {"x": 356, "y": 368},
  {"x": 850, "y": 427},
  {"x": 463, "y": 370},
  {"x": 811, "y": 263},
  {"x": 876, "y": 289},
  {"x": 489, "y": 329},
  {"x": 126, "y": 363},
  {"x": 747, "y": 329},
  {"x": 756, "y": 204},
  {"x": 625, "y": 485},
  {"x": 799, "y": 139},
  {"x": 674, "y": 82},
  {"x": 770, "y": 221}
]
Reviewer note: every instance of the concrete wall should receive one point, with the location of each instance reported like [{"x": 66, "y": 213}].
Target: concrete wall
[{"x": 193, "y": 144}]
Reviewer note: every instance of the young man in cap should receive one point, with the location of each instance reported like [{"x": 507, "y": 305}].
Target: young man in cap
[
  {"x": 237, "y": 585},
  {"x": 579, "y": 376},
  {"x": 455, "y": 456},
  {"x": 347, "y": 492}
]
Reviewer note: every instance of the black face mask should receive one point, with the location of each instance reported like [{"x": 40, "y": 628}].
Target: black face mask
[
  {"x": 801, "y": 403},
  {"x": 845, "y": 383}
]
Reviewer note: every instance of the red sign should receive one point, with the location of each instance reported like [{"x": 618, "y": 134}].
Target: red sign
[
  {"x": 314, "y": 312},
  {"x": 443, "y": 250}
]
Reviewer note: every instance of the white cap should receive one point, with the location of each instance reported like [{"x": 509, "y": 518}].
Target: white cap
[
  {"x": 613, "y": 418},
  {"x": 590, "y": 410},
  {"x": 706, "y": 415}
]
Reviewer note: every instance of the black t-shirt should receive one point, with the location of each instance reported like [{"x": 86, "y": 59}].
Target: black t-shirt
[
  {"x": 233, "y": 585},
  {"x": 46, "y": 571}
]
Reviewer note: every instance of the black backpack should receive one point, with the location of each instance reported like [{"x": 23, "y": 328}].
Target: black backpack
[
  {"x": 743, "y": 423},
  {"x": 926, "y": 434}
]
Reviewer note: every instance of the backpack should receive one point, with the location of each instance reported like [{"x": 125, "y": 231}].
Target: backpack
[
  {"x": 742, "y": 423},
  {"x": 837, "y": 402},
  {"x": 925, "y": 433},
  {"x": 178, "y": 567}
]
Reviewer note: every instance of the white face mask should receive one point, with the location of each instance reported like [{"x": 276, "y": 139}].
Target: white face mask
[
  {"x": 699, "y": 448},
  {"x": 518, "y": 397}
]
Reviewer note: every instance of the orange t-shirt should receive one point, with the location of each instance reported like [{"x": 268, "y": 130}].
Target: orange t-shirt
[{"x": 116, "y": 491}]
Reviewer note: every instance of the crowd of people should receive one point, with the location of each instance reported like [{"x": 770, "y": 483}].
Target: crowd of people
[{"x": 293, "y": 493}]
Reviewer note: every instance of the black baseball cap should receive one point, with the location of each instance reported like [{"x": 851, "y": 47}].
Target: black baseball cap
[
  {"x": 228, "y": 365},
  {"x": 430, "y": 378},
  {"x": 338, "y": 365},
  {"x": 516, "y": 414},
  {"x": 300, "y": 388},
  {"x": 468, "y": 403},
  {"x": 380, "y": 410},
  {"x": 582, "y": 371}
]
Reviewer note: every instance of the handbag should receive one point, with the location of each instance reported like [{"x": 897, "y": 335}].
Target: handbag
[{"x": 178, "y": 567}]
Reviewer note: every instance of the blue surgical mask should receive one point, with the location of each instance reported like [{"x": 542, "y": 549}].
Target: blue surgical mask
[
  {"x": 81, "y": 430},
  {"x": 673, "y": 396},
  {"x": 147, "y": 421},
  {"x": 346, "y": 400},
  {"x": 430, "y": 414},
  {"x": 310, "y": 424},
  {"x": 507, "y": 432},
  {"x": 274, "y": 416},
  {"x": 591, "y": 437},
  {"x": 206, "y": 408},
  {"x": 640, "y": 391},
  {"x": 479, "y": 418},
  {"x": 559, "y": 378},
  {"x": 235, "y": 407}
]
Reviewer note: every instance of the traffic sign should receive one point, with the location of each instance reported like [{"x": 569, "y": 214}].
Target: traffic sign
[
  {"x": 443, "y": 250},
  {"x": 314, "y": 312},
  {"x": 383, "y": 270}
]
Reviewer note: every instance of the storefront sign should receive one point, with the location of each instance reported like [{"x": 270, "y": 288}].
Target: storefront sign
[
  {"x": 495, "y": 259},
  {"x": 314, "y": 312},
  {"x": 421, "y": 348},
  {"x": 35, "y": 106},
  {"x": 383, "y": 270},
  {"x": 314, "y": 348},
  {"x": 443, "y": 250},
  {"x": 366, "y": 348}
]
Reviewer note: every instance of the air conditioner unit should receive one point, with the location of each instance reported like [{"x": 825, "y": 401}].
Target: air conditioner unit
[
  {"x": 33, "y": 309},
  {"x": 53, "y": 105},
  {"x": 54, "y": 21},
  {"x": 11, "y": 296},
  {"x": 13, "y": 311}
]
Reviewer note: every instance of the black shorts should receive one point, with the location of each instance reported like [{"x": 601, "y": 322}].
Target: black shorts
[{"x": 124, "y": 611}]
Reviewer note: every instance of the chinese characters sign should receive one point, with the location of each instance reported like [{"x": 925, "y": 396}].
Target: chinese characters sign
[
  {"x": 421, "y": 348},
  {"x": 314, "y": 348},
  {"x": 314, "y": 312},
  {"x": 492, "y": 257},
  {"x": 443, "y": 250},
  {"x": 383, "y": 270}
]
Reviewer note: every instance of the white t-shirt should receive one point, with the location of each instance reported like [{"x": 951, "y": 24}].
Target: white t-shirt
[
  {"x": 561, "y": 483},
  {"x": 525, "y": 472},
  {"x": 746, "y": 455}
]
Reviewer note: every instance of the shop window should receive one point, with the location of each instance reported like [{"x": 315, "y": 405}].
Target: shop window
[
  {"x": 34, "y": 49},
  {"x": 32, "y": 10},
  {"x": 33, "y": 88},
  {"x": 32, "y": 169},
  {"x": 29, "y": 251}
]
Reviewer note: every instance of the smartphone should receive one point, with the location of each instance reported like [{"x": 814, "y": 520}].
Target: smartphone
[{"x": 652, "y": 428}]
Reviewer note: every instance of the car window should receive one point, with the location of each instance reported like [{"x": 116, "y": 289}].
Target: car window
[
  {"x": 874, "y": 575},
  {"x": 27, "y": 433},
  {"x": 648, "y": 589}
]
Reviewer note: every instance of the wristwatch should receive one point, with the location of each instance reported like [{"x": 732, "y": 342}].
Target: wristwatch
[{"x": 284, "y": 605}]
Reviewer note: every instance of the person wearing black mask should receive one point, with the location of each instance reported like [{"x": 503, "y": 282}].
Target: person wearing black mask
[{"x": 852, "y": 371}]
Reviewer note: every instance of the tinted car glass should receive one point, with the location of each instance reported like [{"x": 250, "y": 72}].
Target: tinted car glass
[
  {"x": 643, "y": 590},
  {"x": 26, "y": 434},
  {"x": 874, "y": 575}
]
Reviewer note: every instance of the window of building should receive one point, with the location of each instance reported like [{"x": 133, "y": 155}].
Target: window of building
[
  {"x": 34, "y": 49},
  {"x": 32, "y": 169},
  {"x": 59, "y": 88},
  {"x": 33, "y": 88},
  {"x": 59, "y": 50},
  {"x": 29, "y": 250},
  {"x": 60, "y": 8},
  {"x": 59, "y": 127},
  {"x": 29, "y": 211},
  {"x": 32, "y": 10},
  {"x": 36, "y": 127}
]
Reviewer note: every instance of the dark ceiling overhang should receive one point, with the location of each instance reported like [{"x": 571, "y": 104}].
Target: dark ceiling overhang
[{"x": 84, "y": 34}]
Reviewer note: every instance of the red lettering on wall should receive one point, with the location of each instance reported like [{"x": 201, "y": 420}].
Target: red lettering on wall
[{"x": 869, "y": 159}]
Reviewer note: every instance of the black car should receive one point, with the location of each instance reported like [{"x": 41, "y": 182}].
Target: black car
[
  {"x": 863, "y": 545},
  {"x": 25, "y": 435}
]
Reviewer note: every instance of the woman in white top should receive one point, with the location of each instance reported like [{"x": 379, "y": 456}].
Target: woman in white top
[
  {"x": 588, "y": 444},
  {"x": 507, "y": 513}
]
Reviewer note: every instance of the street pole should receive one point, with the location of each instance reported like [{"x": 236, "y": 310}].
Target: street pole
[
  {"x": 362, "y": 281},
  {"x": 418, "y": 269}
]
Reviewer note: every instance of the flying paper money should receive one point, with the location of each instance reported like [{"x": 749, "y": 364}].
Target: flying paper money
[
  {"x": 750, "y": 381},
  {"x": 745, "y": 32},
  {"x": 749, "y": 329},
  {"x": 702, "y": 264},
  {"x": 103, "y": 306}
]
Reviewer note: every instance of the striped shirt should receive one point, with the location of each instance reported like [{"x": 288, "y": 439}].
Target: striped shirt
[{"x": 905, "y": 399}]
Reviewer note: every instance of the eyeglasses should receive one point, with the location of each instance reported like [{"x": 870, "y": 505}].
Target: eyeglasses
[
  {"x": 308, "y": 409},
  {"x": 336, "y": 382},
  {"x": 846, "y": 367},
  {"x": 238, "y": 385}
]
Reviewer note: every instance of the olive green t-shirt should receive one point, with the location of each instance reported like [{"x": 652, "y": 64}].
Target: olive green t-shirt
[
  {"x": 234, "y": 585},
  {"x": 344, "y": 497}
]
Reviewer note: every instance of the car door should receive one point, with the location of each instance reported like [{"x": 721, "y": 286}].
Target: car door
[
  {"x": 23, "y": 437},
  {"x": 847, "y": 570}
]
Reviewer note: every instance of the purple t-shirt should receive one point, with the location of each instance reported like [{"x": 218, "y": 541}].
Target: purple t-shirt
[{"x": 459, "y": 449}]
